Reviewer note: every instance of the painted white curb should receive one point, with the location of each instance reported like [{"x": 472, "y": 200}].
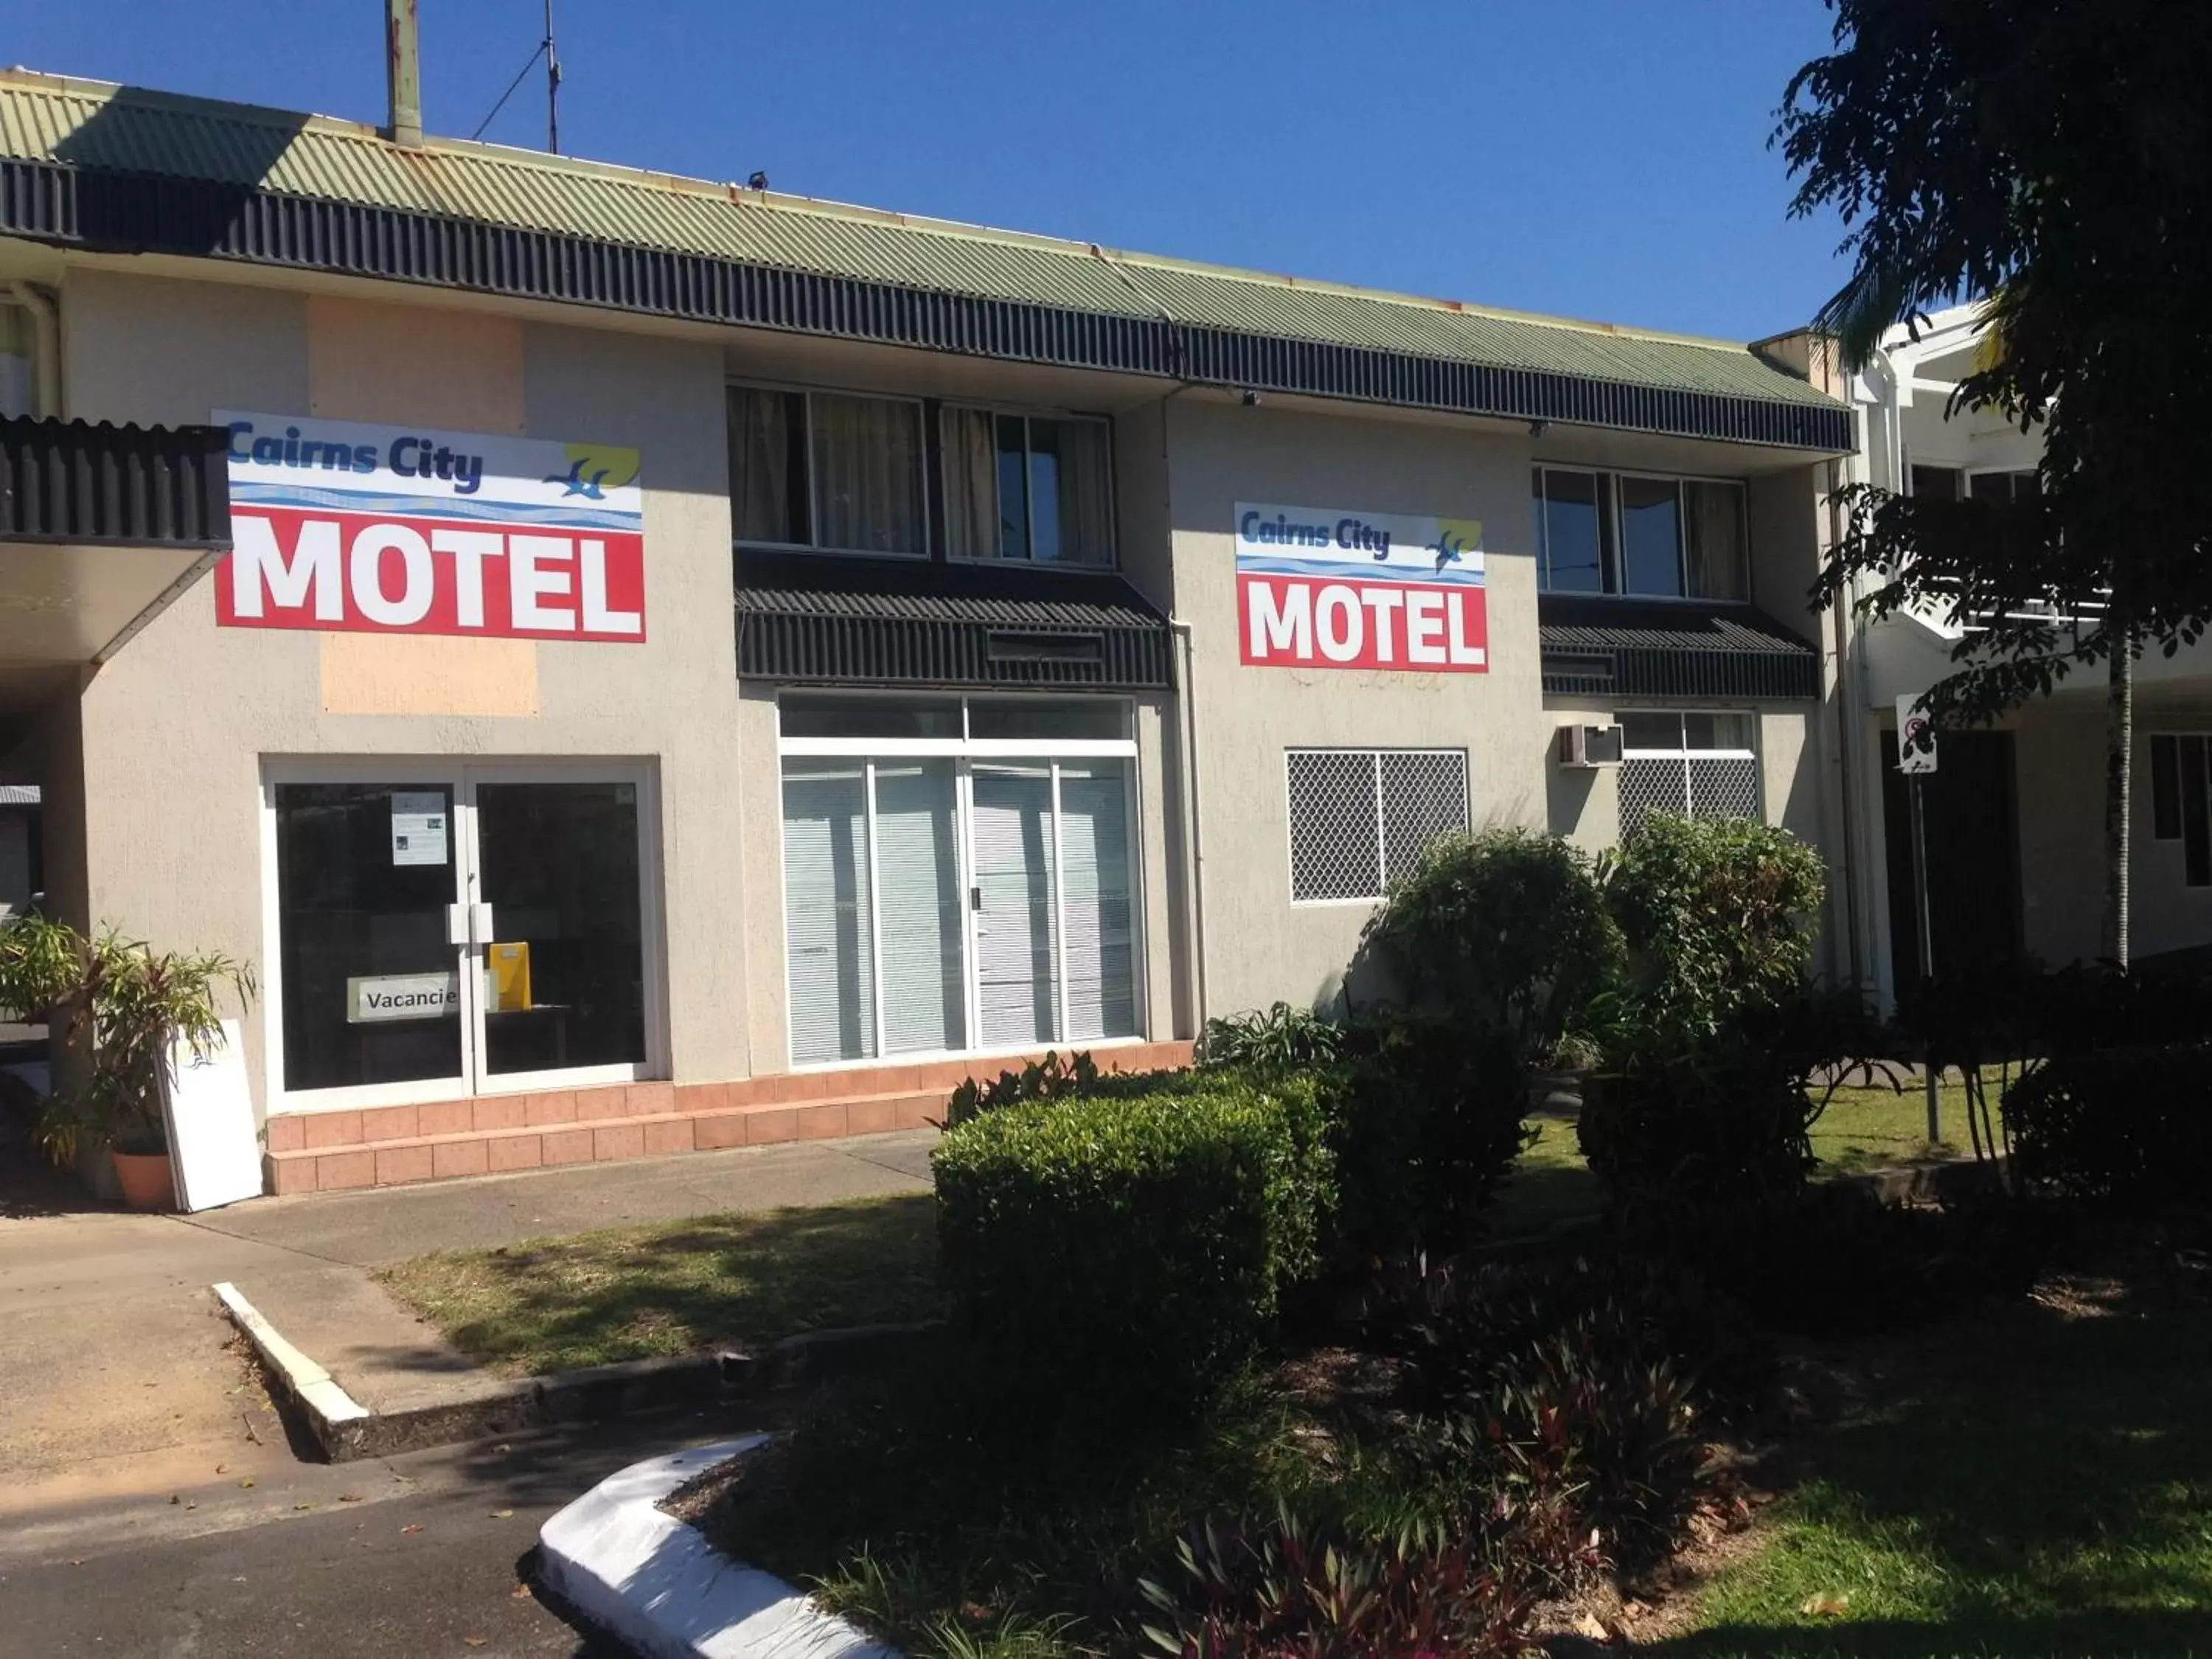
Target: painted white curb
[
  {"x": 308, "y": 1381},
  {"x": 660, "y": 1586}
]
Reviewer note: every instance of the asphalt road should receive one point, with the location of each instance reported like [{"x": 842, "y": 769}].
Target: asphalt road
[{"x": 423, "y": 1554}]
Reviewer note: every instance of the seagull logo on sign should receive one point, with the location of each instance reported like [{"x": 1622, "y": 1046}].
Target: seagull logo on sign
[
  {"x": 1455, "y": 539},
  {"x": 593, "y": 469}
]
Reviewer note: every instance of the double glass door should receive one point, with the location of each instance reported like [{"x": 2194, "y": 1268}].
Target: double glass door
[
  {"x": 935, "y": 905},
  {"x": 481, "y": 928}
]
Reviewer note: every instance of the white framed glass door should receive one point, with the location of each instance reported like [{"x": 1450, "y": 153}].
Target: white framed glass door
[{"x": 437, "y": 929}]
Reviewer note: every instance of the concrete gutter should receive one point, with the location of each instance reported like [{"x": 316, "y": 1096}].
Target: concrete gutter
[
  {"x": 660, "y": 1585},
  {"x": 343, "y": 1429}
]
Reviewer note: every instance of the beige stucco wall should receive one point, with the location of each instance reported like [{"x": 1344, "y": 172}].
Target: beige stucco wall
[
  {"x": 1259, "y": 945},
  {"x": 176, "y": 729}
]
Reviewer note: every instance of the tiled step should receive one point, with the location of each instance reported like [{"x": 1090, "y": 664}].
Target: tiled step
[
  {"x": 407, "y": 1158},
  {"x": 490, "y": 1134}
]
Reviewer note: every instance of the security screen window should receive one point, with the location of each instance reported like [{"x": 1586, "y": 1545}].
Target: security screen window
[
  {"x": 1033, "y": 488},
  {"x": 1360, "y": 817},
  {"x": 827, "y": 470},
  {"x": 1640, "y": 536},
  {"x": 1695, "y": 763}
]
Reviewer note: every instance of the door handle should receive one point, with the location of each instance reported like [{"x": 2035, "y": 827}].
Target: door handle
[
  {"x": 457, "y": 924},
  {"x": 480, "y": 925}
]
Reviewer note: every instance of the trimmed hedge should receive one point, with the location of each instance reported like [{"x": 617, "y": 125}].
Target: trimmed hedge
[
  {"x": 1152, "y": 1232},
  {"x": 2127, "y": 1126}
]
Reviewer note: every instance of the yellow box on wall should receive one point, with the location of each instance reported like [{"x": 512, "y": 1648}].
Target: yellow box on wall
[{"x": 507, "y": 978}]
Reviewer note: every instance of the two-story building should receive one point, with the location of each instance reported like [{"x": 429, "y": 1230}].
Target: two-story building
[{"x": 670, "y": 665}]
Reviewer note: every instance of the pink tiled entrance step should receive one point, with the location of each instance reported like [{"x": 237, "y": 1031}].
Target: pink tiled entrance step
[{"x": 391, "y": 1146}]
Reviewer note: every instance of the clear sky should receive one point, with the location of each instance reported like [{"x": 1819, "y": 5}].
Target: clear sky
[{"x": 1602, "y": 159}]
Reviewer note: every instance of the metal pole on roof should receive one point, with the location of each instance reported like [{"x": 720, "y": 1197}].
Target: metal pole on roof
[
  {"x": 403, "y": 72},
  {"x": 552, "y": 86}
]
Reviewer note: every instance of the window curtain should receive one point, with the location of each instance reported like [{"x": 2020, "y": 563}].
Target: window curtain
[
  {"x": 829, "y": 926},
  {"x": 918, "y": 889},
  {"x": 971, "y": 485},
  {"x": 1076, "y": 452},
  {"x": 761, "y": 440},
  {"x": 868, "y": 474},
  {"x": 1717, "y": 542}
]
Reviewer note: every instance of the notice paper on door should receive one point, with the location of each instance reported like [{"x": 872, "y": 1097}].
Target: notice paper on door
[{"x": 418, "y": 827}]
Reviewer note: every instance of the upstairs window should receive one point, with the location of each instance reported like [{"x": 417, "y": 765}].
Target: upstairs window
[
  {"x": 827, "y": 470},
  {"x": 1941, "y": 483},
  {"x": 1642, "y": 536},
  {"x": 1033, "y": 488}
]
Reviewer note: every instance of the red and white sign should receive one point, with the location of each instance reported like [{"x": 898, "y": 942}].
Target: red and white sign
[
  {"x": 1321, "y": 588},
  {"x": 344, "y": 527}
]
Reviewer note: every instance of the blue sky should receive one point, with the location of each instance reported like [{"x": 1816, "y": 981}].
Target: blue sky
[{"x": 1592, "y": 158}]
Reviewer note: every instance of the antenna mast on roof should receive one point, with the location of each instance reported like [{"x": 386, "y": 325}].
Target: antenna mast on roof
[{"x": 552, "y": 86}]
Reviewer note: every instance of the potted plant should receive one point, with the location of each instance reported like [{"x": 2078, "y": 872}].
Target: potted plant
[{"x": 128, "y": 1005}]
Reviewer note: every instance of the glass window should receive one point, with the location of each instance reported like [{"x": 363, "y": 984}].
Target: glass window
[
  {"x": 1651, "y": 537},
  {"x": 1942, "y": 483},
  {"x": 564, "y": 983},
  {"x": 1071, "y": 717},
  {"x": 1719, "y": 552},
  {"x": 1698, "y": 763},
  {"x": 804, "y": 716},
  {"x": 829, "y": 916},
  {"x": 827, "y": 470},
  {"x": 371, "y": 986},
  {"x": 1578, "y": 528},
  {"x": 1028, "y": 487}
]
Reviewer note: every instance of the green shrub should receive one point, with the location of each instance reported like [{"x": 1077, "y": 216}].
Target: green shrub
[
  {"x": 1507, "y": 929},
  {"x": 1049, "y": 1078},
  {"x": 1294, "y": 1589},
  {"x": 2129, "y": 1126},
  {"x": 1719, "y": 914},
  {"x": 1282, "y": 1039},
  {"x": 1154, "y": 1233},
  {"x": 1424, "y": 1116}
]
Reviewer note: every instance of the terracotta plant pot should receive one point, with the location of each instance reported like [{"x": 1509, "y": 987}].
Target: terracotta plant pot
[{"x": 145, "y": 1180}]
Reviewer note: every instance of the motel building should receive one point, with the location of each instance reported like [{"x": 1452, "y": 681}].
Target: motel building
[{"x": 638, "y": 664}]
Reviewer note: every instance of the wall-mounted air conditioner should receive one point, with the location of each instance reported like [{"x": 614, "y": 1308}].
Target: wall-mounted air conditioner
[{"x": 1587, "y": 746}]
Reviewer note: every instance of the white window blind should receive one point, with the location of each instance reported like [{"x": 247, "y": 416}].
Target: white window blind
[
  {"x": 920, "y": 902},
  {"x": 1359, "y": 817},
  {"x": 1015, "y": 940},
  {"x": 1095, "y": 902},
  {"x": 829, "y": 922}
]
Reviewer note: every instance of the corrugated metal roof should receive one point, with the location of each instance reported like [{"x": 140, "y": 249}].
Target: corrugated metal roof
[
  {"x": 104, "y": 129},
  {"x": 1571, "y": 622},
  {"x": 917, "y": 590}
]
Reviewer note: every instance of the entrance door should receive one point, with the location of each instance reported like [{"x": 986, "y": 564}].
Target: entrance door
[
  {"x": 481, "y": 931},
  {"x": 1973, "y": 867}
]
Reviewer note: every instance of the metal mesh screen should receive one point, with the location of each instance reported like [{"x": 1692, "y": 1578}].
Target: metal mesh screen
[
  {"x": 1335, "y": 851},
  {"x": 1651, "y": 784},
  {"x": 1360, "y": 817},
  {"x": 1424, "y": 796},
  {"x": 1724, "y": 788}
]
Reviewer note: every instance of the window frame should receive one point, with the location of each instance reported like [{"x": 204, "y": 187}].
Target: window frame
[
  {"x": 1688, "y": 755},
  {"x": 1968, "y": 474},
  {"x": 963, "y": 751},
  {"x": 1025, "y": 413},
  {"x": 920, "y": 405},
  {"x": 1373, "y": 753},
  {"x": 1613, "y": 546}
]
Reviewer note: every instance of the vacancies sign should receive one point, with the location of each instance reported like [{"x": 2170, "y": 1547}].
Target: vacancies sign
[
  {"x": 344, "y": 527},
  {"x": 1320, "y": 587}
]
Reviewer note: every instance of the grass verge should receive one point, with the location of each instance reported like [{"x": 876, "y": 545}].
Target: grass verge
[
  {"x": 630, "y": 1293},
  {"x": 2034, "y": 1482}
]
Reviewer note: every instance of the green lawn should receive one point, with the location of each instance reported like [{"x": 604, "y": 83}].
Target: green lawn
[
  {"x": 736, "y": 1280},
  {"x": 1862, "y": 1129},
  {"x": 2036, "y": 1481}
]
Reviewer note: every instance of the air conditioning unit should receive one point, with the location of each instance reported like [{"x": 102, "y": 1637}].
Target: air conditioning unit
[{"x": 1588, "y": 746}]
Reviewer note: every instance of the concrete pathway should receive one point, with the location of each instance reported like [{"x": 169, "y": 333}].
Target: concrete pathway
[{"x": 115, "y": 1367}]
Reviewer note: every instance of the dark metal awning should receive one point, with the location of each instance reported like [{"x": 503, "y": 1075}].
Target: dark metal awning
[
  {"x": 827, "y": 620},
  {"x": 1599, "y": 646},
  {"x": 101, "y": 528}
]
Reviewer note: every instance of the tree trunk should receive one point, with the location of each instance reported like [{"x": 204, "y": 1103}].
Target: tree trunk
[{"x": 2120, "y": 778}]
